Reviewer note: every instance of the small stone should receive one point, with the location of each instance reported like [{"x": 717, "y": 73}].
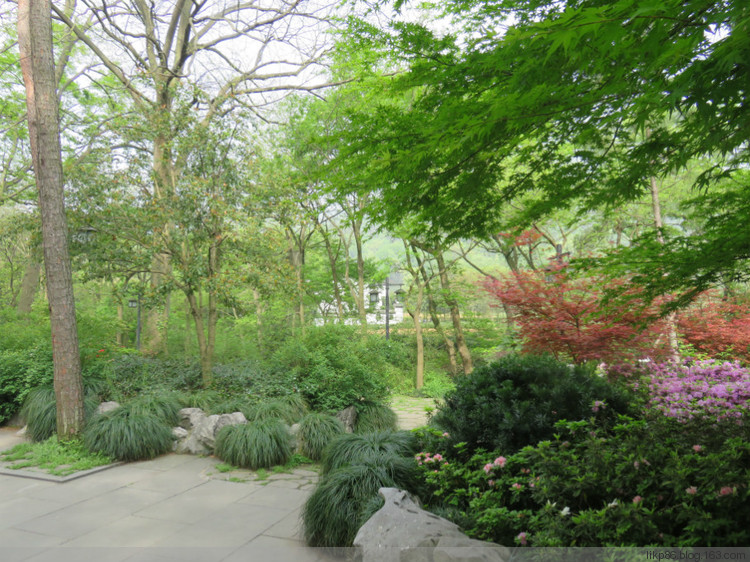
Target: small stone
[
  {"x": 179, "y": 432},
  {"x": 22, "y": 432},
  {"x": 107, "y": 407}
]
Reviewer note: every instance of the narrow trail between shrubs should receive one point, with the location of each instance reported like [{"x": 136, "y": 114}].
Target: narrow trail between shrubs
[{"x": 411, "y": 412}]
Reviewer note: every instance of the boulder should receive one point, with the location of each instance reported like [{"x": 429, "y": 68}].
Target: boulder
[
  {"x": 348, "y": 417},
  {"x": 107, "y": 407},
  {"x": 401, "y": 531},
  {"x": 190, "y": 417},
  {"x": 191, "y": 446},
  {"x": 235, "y": 418}
]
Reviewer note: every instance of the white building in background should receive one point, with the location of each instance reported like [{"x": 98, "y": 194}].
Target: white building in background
[{"x": 375, "y": 297}]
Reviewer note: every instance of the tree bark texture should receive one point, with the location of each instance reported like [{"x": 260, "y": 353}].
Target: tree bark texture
[
  {"x": 29, "y": 287},
  {"x": 450, "y": 300},
  {"x": 37, "y": 65}
]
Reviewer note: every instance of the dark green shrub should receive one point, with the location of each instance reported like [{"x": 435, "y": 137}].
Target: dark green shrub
[
  {"x": 517, "y": 400},
  {"x": 260, "y": 444},
  {"x": 40, "y": 412},
  {"x": 21, "y": 371},
  {"x": 353, "y": 448},
  {"x": 206, "y": 400},
  {"x": 654, "y": 482},
  {"x": 128, "y": 435},
  {"x": 240, "y": 404},
  {"x": 130, "y": 375},
  {"x": 164, "y": 406},
  {"x": 334, "y": 367},
  {"x": 316, "y": 431},
  {"x": 375, "y": 417},
  {"x": 346, "y": 498}
]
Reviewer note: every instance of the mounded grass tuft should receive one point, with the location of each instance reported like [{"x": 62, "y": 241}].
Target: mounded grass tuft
[
  {"x": 372, "y": 416},
  {"x": 128, "y": 435},
  {"x": 232, "y": 405},
  {"x": 346, "y": 498},
  {"x": 353, "y": 448},
  {"x": 255, "y": 445},
  {"x": 316, "y": 431},
  {"x": 163, "y": 406},
  {"x": 297, "y": 405},
  {"x": 40, "y": 412},
  {"x": 275, "y": 409}
]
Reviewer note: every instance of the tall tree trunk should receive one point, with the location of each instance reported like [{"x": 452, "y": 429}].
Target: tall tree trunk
[
  {"x": 416, "y": 314},
  {"x": 659, "y": 225},
  {"x": 119, "y": 338},
  {"x": 35, "y": 44},
  {"x": 357, "y": 229},
  {"x": 332, "y": 259},
  {"x": 197, "y": 311},
  {"x": 450, "y": 346},
  {"x": 186, "y": 342},
  {"x": 259, "y": 319},
  {"x": 450, "y": 300},
  {"x": 29, "y": 287}
]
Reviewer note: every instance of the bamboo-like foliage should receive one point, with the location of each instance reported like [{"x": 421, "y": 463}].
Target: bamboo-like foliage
[
  {"x": 255, "y": 445},
  {"x": 128, "y": 435},
  {"x": 372, "y": 416},
  {"x": 316, "y": 431},
  {"x": 352, "y": 448}
]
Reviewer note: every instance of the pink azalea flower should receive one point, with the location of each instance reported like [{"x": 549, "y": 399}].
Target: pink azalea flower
[
  {"x": 726, "y": 490},
  {"x": 697, "y": 448},
  {"x": 487, "y": 468},
  {"x": 692, "y": 490},
  {"x": 516, "y": 486},
  {"x": 522, "y": 538},
  {"x": 491, "y": 482},
  {"x": 499, "y": 461},
  {"x": 637, "y": 499}
]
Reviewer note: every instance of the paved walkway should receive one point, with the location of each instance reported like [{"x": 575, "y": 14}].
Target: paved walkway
[{"x": 175, "y": 507}]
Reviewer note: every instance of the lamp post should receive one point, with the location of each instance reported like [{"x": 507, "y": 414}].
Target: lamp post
[{"x": 392, "y": 279}]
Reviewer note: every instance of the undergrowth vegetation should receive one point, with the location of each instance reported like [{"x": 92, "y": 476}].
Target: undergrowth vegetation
[{"x": 259, "y": 444}]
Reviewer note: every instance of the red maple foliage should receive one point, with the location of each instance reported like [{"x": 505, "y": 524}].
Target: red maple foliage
[
  {"x": 718, "y": 327},
  {"x": 563, "y": 315}
]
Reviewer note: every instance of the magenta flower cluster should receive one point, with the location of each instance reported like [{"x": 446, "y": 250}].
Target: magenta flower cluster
[
  {"x": 435, "y": 460},
  {"x": 700, "y": 389}
]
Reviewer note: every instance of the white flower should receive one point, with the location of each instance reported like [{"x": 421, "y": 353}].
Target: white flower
[
  {"x": 615, "y": 503},
  {"x": 565, "y": 511}
]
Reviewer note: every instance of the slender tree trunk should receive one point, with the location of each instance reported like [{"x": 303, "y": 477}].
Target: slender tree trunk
[
  {"x": 197, "y": 311},
  {"x": 119, "y": 338},
  {"x": 450, "y": 300},
  {"x": 357, "y": 229},
  {"x": 416, "y": 315},
  {"x": 29, "y": 287},
  {"x": 450, "y": 346},
  {"x": 659, "y": 225},
  {"x": 187, "y": 327},
  {"x": 35, "y": 44},
  {"x": 332, "y": 259},
  {"x": 259, "y": 319}
]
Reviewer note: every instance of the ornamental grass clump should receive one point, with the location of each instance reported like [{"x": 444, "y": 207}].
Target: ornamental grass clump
[
  {"x": 40, "y": 412},
  {"x": 372, "y": 416},
  {"x": 275, "y": 409},
  {"x": 717, "y": 391},
  {"x": 128, "y": 434},
  {"x": 255, "y": 445},
  {"x": 352, "y": 448},
  {"x": 164, "y": 406},
  {"x": 346, "y": 498},
  {"x": 316, "y": 431}
]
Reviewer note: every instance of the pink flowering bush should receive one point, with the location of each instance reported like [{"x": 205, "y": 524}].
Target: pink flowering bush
[
  {"x": 654, "y": 482},
  {"x": 712, "y": 390}
]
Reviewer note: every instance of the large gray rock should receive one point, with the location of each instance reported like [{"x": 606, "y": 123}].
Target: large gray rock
[
  {"x": 200, "y": 430},
  {"x": 403, "y": 532},
  {"x": 348, "y": 417},
  {"x": 190, "y": 417},
  {"x": 107, "y": 407}
]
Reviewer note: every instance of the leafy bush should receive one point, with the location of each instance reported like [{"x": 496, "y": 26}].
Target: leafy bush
[
  {"x": 128, "y": 435},
  {"x": 375, "y": 417},
  {"x": 516, "y": 401},
  {"x": 353, "y": 448},
  {"x": 260, "y": 444},
  {"x": 40, "y": 412},
  {"x": 345, "y": 498},
  {"x": 316, "y": 431},
  {"x": 334, "y": 367},
  {"x": 239, "y": 404},
  {"x": 436, "y": 385},
  {"x": 130, "y": 375},
  {"x": 655, "y": 482},
  {"x": 21, "y": 371}
]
